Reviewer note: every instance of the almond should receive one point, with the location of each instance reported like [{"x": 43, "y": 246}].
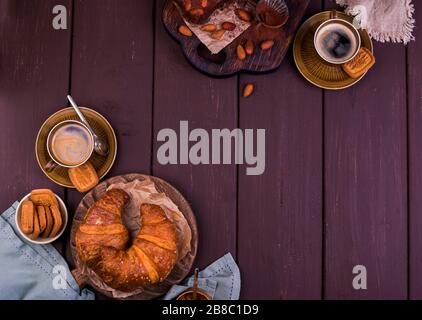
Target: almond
[
  {"x": 209, "y": 27},
  {"x": 229, "y": 26},
  {"x": 249, "y": 47},
  {"x": 248, "y": 90},
  {"x": 197, "y": 12},
  {"x": 188, "y": 4},
  {"x": 204, "y": 3},
  {"x": 266, "y": 45},
  {"x": 217, "y": 35},
  {"x": 240, "y": 51},
  {"x": 244, "y": 15},
  {"x": 184, "y": 30}
]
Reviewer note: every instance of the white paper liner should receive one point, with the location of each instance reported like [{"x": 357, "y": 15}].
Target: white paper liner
[
  {"x": 145, "y": 192},
  {"x": 225, "y": 14}
]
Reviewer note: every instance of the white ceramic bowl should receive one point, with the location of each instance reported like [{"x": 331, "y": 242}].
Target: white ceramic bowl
[{"x": 63, "y": 211}]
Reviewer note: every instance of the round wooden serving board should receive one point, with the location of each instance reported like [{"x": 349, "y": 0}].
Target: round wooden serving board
[
  {"x": 228, "y": 64},
  {"x": 182, "y": 268}
]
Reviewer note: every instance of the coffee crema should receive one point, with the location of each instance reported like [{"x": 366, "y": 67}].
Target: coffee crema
[{"x": 71, "y": 145}]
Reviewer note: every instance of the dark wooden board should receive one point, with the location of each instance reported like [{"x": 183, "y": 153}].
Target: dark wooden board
[
  {"x": 181, "y": 269},
  {"x": 415, "y": 159},
  {"x": 261, "y": 61},
  {"x": 112, "y": 72},
  {"x": 366, "y": 182},
  {"x": 182, "y": 93},
  {"x": 280, "y": 212},
  {"x": 34, "y": 72}
]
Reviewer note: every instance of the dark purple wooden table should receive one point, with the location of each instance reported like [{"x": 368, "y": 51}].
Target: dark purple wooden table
[{"x": 343, "y": 178}]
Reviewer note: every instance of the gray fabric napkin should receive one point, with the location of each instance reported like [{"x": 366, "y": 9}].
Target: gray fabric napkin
[
  {"x": 33, "y": 272},
  {"x": 221, "y": 280}
]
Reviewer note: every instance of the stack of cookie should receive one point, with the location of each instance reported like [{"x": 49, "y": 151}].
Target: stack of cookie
[{"x": 41, "y": 216}]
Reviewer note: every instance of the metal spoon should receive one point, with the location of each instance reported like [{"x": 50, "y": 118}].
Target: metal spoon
[
  {"x": 195, "y": 284},
  {"x": 100, "y": 145}
]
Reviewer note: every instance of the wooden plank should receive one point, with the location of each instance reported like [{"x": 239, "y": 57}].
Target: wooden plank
[
  {"x": 365, "y": 182},
  {"x": 280, "y": 212},
  {"x": 415, "y": 160},
  {"x": 34, "y": 75},
  {"x": 112, "y": 72},
  {"x": 182, "y": 93}
]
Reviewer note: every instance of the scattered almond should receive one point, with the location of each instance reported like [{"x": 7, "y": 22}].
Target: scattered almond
[
  {"x": 240, "y": 51},
  {"x": 244, "y": 15},
  {"x": 209, "y": 27},
  {"x": 204, "y": 3},
  {"x": 197, "y": 12},
  {"x": 188, "y": 5},
  {"x": 229, "y": 26},
  {"x": 266, "y": 45},
  {"x": 248, "y": 90},
  {"x": 217, "y": 35},
  {"x": 249, "y": 47},
  {"x": 184, "y": 30}
]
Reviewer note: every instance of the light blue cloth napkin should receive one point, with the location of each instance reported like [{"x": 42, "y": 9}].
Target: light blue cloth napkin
[
  {"x": 221, "y": 280},
  {"x": 33, "y": 272}
]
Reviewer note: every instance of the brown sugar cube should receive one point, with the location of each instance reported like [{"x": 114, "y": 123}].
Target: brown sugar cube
[{"x": 360, "y": 64}]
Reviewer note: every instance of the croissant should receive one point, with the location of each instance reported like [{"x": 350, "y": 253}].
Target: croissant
[{"x": 149, "y": 260}]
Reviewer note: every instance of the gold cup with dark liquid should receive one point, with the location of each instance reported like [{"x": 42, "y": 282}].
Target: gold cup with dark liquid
[{"x": 336, "y": 40}]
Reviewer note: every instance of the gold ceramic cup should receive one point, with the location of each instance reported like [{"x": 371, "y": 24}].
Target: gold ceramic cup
[
  {"x": 52, "y": 148},
  {"x": 337, "y": 23}
]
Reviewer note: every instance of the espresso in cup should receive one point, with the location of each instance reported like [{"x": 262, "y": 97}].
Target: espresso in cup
[
  {"x": 337, "y": 41},
  {"x": 70, "y": 144}
]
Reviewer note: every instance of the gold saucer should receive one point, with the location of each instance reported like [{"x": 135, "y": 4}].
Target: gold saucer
[
  {"x": 317, "y": 71},
  {"x": 101, "y": 127}
]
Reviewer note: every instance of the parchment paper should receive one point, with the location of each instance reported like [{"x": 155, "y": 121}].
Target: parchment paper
[
  {"x": 225, "y": 14},
  {"x": 145, "y": 192}
]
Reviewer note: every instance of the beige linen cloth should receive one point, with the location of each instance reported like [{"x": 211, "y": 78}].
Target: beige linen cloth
[{"x": 385, "y": 20}]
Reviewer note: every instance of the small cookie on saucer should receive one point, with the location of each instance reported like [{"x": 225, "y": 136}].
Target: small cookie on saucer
[
  {"x": 84, "y": 178},
  {"x": 360, "y": 64}
]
